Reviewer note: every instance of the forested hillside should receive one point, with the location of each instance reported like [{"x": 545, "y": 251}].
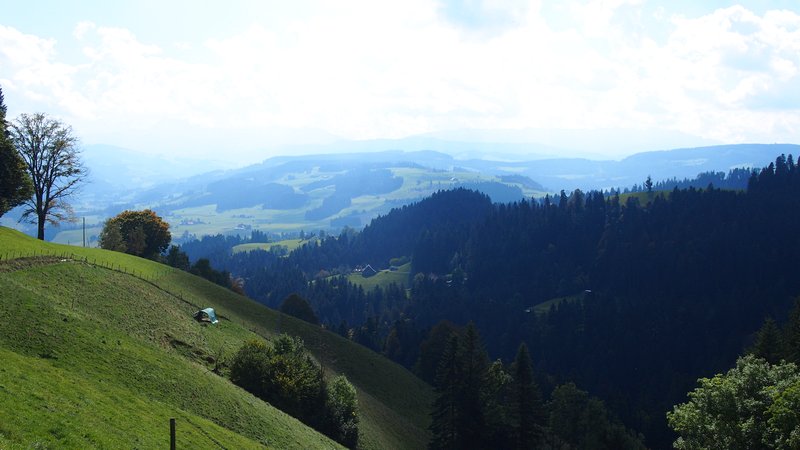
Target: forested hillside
[{"x": 632, "y": 297}]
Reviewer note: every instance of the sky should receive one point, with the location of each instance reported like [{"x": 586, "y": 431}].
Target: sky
[{"x": 240, "y": 80}]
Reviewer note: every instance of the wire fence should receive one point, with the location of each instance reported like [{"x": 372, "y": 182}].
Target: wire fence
[{"x": 150, "y": 276}]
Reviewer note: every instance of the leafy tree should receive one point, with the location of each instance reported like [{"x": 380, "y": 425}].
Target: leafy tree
[
  {"x": 526, "y": 402},
  {"x": 342, "y": 410},
  {"x": 15, "y": 183},
  {"x": 297, "y": 306},
  {"x": 144, "y": 233},
  {"x": 648, "y": 184},
  {"x": 137, "y": 241},
  {"x": 784, "y": 418},
  {"x": 49, "y": 149},
  {"x": 582, "y": 421},
  {"x": 282, "y": 373},
  {"x": 249, "y": 367},
  {"x": 754, "y": 405},
  {"x": 177, "y": 258},
  {"x": 202, "y": 268},
  {"x": 285, "y": 375},
  {"x": 111, "y": 238},
  {"x": 294, "y": 380}
]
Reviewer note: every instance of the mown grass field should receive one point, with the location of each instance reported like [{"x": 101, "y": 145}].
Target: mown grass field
[
  {"x": 290, "y": 245},
  {"x": 96, "y": 357},
  {"x": 383, "y": 278}
]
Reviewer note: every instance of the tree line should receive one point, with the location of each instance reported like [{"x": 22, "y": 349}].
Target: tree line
[
  {"x": 482, "y": 404},
  {"x": 602, "y": 288},
  {"x": 755, "y": 404}
]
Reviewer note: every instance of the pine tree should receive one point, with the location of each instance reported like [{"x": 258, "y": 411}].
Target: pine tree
[
  {"x": 791, "y": 335},
  {"x": 471, "y": 420},
  {"x": 527, "y": 411},
  {"x": 497, "y": 393},
  {"x": 15, "y": 183},
  {"x": 768, "y": 342},
  {"x": 444, "y": 416}
]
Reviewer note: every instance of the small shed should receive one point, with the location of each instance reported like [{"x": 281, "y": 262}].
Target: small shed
[{"x": 206, "y": 315}]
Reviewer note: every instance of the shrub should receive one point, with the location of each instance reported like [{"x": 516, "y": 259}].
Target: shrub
[{"x": 285, "y": 375}]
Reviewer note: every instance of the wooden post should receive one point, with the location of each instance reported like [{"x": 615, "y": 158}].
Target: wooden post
[{"x": 171, "y": 434}]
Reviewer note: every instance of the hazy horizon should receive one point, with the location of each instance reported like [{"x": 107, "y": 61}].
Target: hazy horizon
[{"x": 249, "y": 80}]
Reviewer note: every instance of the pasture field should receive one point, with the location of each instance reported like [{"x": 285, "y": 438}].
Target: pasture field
[
  {"x": 383, "y": 278},
  {"x": 100, "y": 350}
]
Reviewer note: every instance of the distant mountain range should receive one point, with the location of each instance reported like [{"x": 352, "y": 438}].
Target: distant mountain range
[{"x": 332, "y": 190}]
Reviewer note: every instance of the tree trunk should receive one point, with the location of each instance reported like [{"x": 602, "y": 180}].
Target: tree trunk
[{"x": 40, "y": 227}]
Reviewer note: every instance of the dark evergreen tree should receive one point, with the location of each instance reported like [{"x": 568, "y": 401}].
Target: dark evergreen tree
[
  {"x": 768, "y": 343},
  {"x": 791, "y": 334},
  {"x": 297, "y": 306},
  {"x": 446, "y": 408},
  {"x": 471, "y": 420},
  {"x": 432, "y": 349},
  {"x": 497, "y": 396},
  {"x": 527, "y": 411},
  {"x": 15, "y": 182}
]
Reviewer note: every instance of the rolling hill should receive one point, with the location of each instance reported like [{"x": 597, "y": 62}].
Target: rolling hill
[
  {"x": 100, "y": 350},
  {"x": 330, "y": 191}
]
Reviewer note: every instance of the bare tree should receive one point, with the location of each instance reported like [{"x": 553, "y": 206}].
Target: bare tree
[{"x": 50, "y": 151}]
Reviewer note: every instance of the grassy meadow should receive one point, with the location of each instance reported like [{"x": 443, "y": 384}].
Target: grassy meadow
[
  {"x": 383, "y": 278},
  {"x": 100, "y": 350},
  {"x": 290, "y": 245}
]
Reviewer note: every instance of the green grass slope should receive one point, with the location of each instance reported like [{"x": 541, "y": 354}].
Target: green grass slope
[
  {"x": 97, "y": 357},
  {"x": 290, "y": 245},
  {"x": 383, "y": 278}
]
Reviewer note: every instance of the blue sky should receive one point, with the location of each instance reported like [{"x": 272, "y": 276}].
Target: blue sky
[{"x": 245, "y": 78}]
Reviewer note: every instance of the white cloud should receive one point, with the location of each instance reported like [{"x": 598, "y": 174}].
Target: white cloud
[{"x": 369, "y": 69}]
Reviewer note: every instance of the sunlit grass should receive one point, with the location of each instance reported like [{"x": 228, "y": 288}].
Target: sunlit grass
[
  {"x": 133, "y": 337},
  {"x": 383, "y": 278}
]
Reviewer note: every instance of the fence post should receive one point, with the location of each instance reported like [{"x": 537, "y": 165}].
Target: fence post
[{"x": 171, "y": 434}]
